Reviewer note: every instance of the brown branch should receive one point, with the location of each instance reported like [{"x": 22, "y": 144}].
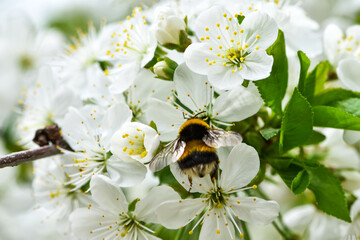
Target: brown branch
[{"x": 17, "y": 158}]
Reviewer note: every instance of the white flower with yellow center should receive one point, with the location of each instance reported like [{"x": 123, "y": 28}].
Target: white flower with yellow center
[
  {"x": 89, "y": 134},
  {"x": 135, "y": 141},
  {"x": 339, "y": 46},
  {"x": 111, "y": 218},
  {"x": 230, "y": 52},
  {"x": 193, "y": 94},
  {"x": 132, "y": 47},
  {"x": 46, "y": 103},
  {"x": 52, "y": 192},
  {"x": 219, "y": 208}
]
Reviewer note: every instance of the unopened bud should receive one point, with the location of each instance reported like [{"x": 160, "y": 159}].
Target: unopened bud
[
  {"x": 165, "y": 69},
  {"x": 168, "y": 26}
]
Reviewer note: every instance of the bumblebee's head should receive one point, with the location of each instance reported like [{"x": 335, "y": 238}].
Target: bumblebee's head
[{"x": 193, "y": 129}]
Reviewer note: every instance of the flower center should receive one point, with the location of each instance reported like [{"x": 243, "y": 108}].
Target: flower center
[
  {"x": 217, "y": 198},
  {"x": 134, "y": 144}
]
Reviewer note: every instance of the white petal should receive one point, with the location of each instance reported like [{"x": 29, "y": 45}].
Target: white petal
[
  {"x": 351, "y": 137},
  {"x": 107, "y": 195},
  {"x": 175, "y": 214},
  {"x": 349, "y": 72},
  {"x": 115, "y": 117},
  {"x": 123, "y": 77},
  {"x": 125, "y": 173},
  {"x": 299, "y": 218},
  {"x": 353, "y": 31},
  {"x": 257, "y": 211},
  {"x": 210, "y": 18},
  {"x": 147, "y": 86},
  {"x": 224, "y": 79},
  {"x": 257, "y": 65},
  {"x": 191, "y": 88},
  {"x": 167, "y": 119},
  {"x": 201, "y": 185},
  {"x": 196, "y": 55},
  {"x": 84, "y": 220},
  {"x": 238, "y": 104},
  {"x": 150, "y": 51},
  {"x": 144, "y": 210},
  {"x": 215, "y": 228},
  {"x": 259, "y": 23},
  {"x": 240, "y": 167}
]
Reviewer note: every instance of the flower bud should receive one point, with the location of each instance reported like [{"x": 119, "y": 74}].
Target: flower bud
[
  {"x": 165, "y": 69},
  {"x": 168, "y": 26}
]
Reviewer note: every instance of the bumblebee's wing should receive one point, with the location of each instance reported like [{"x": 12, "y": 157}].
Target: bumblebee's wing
[
  {"x": 220, "y": 138},
  {"x": 171, "y": 153}
]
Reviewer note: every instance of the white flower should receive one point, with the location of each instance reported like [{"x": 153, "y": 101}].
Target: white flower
[
  {"x": 339, "y": 46},
  {"x": 229, "y": 52},
  {"x": 110, "y": 219},
  {"x": 89, "y": 134},
  {"x": 132, "y": 47},
  {"x": 46, "y": 103},
  {"x": 168, "y": 26},
  {"x": 52, "y": 192},
  {"x": 195, "y": 92},
  {"x": 136, "y": 141},
  {"x": 219, "y": 207},
  {"x": 79, "y": 65}
]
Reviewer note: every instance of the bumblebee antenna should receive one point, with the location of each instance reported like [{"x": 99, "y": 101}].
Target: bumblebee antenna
[{"x": 198, "y": 114}]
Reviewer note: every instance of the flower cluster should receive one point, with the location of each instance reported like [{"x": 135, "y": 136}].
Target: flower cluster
[{"x": 223, "y": 99}]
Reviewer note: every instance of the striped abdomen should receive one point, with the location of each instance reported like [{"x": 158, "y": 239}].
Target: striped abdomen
[{"x": 198, "y": 159}]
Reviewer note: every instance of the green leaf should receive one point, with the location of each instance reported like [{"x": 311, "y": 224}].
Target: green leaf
[
  {"x": 273, "y": 88},
  {"x": 333, "y": 95},
  {"x": 280, "y": 163},
  {"x": 351, "y": 105},
  {"x": 268, "y": 133},
  {"x": 254, "y": 139},
  {"x": 326, "y": 116},
  {"x": 315, "y": 81},
  {"x": 304, "y": 67},
  {"x": 289, "y": 174},
  {"x": 297, "y": 123},
  {"x": 300, "y": 182},
  {"x": 240, "y": 18},
  {"x": 315, "y": 138},
  {"x": 328, "y": 192},
  {"x": 321, "y": 72}
]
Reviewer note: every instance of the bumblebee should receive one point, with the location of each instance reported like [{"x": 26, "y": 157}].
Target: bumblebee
[{"x": 195, "y": 149}]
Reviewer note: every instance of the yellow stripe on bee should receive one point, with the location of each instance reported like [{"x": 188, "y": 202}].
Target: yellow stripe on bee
[
  {"x": 193, "y": 121},
  {"x": 196, "y": 146}
]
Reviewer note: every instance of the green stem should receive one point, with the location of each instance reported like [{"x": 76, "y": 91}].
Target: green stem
[
  {"x": 245, "y": 231},
  {"x": 282, "y": 233}
]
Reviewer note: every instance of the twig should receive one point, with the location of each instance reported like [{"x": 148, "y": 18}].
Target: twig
[{"x": 17, "y": 158}]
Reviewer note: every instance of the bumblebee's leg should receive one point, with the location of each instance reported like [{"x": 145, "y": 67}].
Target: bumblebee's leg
[
  {"x": 190, "y": 181},
  {"x": 215, "y": 174}
]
